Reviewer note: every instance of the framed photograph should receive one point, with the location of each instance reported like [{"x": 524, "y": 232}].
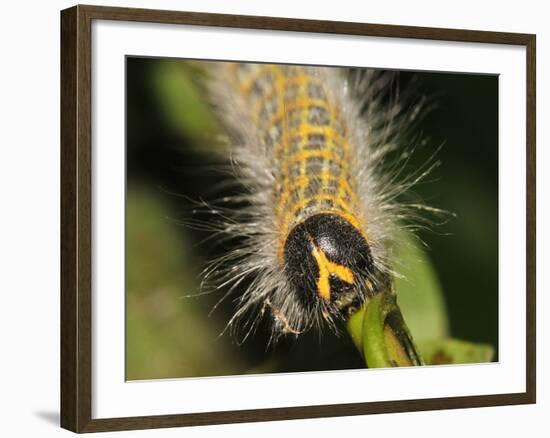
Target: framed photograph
[{"x": 268, "y": 218}]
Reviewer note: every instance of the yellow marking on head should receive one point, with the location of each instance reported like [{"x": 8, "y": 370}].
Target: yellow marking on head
[{"x": 326, "y": 269}]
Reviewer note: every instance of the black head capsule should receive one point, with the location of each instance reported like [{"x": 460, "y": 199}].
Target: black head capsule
[{"x": 325, "y": 259}]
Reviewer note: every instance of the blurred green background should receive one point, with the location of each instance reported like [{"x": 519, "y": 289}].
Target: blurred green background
[{"x": 172, "y": 136}]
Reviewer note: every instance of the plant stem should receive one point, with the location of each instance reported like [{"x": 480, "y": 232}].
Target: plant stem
[{"x": 381, "y": 335}]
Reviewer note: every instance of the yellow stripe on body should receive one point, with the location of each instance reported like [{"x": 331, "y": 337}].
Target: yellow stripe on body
[{"x": 312, "y": 158}]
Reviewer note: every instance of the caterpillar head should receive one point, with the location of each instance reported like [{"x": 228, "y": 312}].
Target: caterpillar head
[{"x": 329, "y": 262}]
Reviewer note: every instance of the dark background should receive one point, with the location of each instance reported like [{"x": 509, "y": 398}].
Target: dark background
[{"x": 170, "y": 138}]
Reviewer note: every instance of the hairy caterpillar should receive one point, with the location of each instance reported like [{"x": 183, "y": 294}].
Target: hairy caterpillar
[{"x": 316, "y": 223}]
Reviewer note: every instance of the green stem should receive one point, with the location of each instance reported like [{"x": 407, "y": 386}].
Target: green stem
[{"x": 381, "y": 335}]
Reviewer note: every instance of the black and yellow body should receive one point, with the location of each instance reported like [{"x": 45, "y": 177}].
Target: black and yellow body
[
  {"x": 323, "y": 245},
  {"x": 310, "y": 216}
]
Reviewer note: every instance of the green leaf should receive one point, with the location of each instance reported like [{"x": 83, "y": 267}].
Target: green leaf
[
  {"x": 184, "y": 105},
  {"x": 167, "y": 334},
  {"x": 455, "y": 351},
  {"x": 419, "y": 292}
]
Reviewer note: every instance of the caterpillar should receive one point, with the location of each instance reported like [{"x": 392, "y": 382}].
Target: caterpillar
[{"x": 316, "y": 221}]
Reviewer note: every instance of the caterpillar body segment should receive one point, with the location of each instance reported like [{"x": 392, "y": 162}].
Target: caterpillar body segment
[
  {"x": 299, "y": 122},
  {"x": 318, "y": 222}
]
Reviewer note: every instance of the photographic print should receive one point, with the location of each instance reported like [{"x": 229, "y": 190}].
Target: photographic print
[
  {"x": 343, "y": 224},
  {"x": 291, "y": 218}
]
